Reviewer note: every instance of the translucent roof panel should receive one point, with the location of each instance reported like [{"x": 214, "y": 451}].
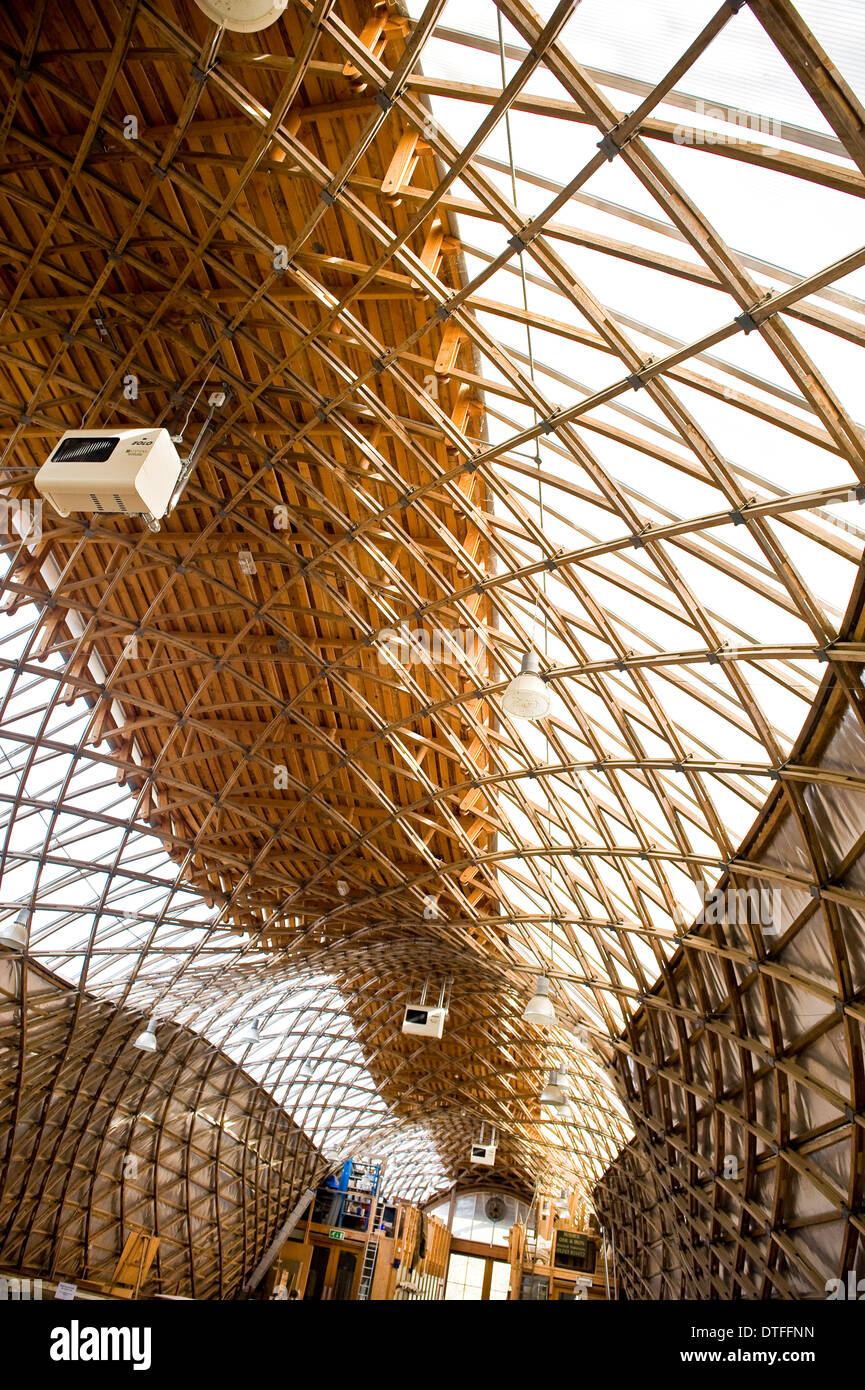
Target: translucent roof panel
[{"x": 534, "y": 334}]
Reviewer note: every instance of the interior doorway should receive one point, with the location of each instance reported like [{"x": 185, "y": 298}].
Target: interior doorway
[
  {"x": 343, "y": 1279},
  {"x": 333, "y": 1274},
  {"x": 317, "y": 1271}
]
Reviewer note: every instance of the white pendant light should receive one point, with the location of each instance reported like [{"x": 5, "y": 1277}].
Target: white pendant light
[
  {"x": 539, "y": 1009},
  {"x": 251, "y": 1033},
  {"x": 243, "y": 16},
  {"x": 553, "y": 1093},
  {"x": 13, "y": 933},
  {"x": 527, "y": 696},
  {"x": 146, "y": 1041}
]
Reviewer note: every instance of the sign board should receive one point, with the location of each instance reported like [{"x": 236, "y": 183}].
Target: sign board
[
  {"x": 66, "y": 1291},
  {"x": 336, "y": 1235},
  {"x": 574, "y": 1250}
]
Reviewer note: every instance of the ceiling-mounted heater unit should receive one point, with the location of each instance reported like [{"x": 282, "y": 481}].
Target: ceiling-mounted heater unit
[
  {"x": 130, "y": 471},
  {"x": 424, "y": 1020},
  {"x": 484, "y": 1155}
]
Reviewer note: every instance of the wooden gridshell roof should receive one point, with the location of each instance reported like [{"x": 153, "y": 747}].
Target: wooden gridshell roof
[
  {"x": 526, "y": 407},
  {"x": 111, "y": 1141}
]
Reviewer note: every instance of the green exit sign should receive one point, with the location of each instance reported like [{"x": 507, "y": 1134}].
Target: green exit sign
[{"x": 336, "y": 1235}]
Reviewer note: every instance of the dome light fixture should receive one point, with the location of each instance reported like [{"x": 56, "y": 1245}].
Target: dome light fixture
[
  {"x": 146, "y": 1041},
  {"x": 539, "y": 1009},
  {"x": 13, "y": 933},
  {"x": 250, "y": 1033},
  {"x": 527, "y": 696},
  {"x": 242, "y": 16}
]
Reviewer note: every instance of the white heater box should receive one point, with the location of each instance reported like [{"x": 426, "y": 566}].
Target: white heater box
[
  {"x": 133, "y": 472},
  {"x": 424, "y": 1022},
  {"x": 483, "y": 1155}
]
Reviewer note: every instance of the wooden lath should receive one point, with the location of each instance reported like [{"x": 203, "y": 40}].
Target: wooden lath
[{"x": 377, "y": 407}]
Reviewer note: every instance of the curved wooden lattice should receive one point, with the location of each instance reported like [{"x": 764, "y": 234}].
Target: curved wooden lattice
[
  {"x": 744, "y": 1068},
  {"x": 110, "y": 1141},
  {"x": 467, "y": 393}
]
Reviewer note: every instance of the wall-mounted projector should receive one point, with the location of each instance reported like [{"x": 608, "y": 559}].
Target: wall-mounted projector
[
  {"x": 132, "y": 471},
  {"x": 424, "y": 1022},
  {"x": 483, "y": 1155}
]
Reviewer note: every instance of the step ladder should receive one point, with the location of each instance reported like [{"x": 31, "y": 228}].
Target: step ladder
[
  {"x": 370, "y": 1250},
  {"x": 370, "y": 1255}
]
